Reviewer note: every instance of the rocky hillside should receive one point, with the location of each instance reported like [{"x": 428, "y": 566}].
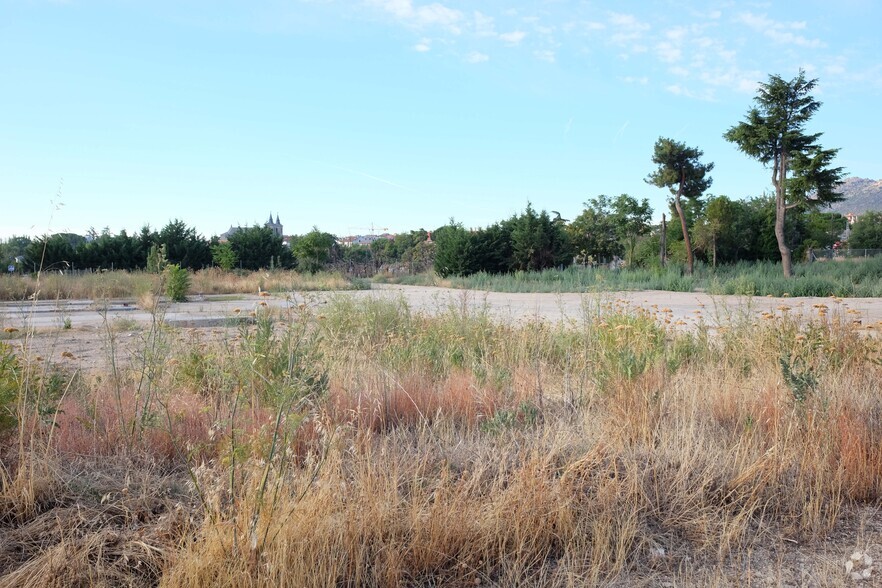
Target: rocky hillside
[{"x": 861, "y": 195}]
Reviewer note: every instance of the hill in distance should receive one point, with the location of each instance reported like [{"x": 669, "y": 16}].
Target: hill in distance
[{"x": 860, "y": 195}]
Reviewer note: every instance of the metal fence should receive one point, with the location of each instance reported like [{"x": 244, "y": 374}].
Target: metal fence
[{"x": 833, "y": 254}]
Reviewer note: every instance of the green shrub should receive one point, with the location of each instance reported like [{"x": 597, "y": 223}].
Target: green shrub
[
  {"x": 9, "y": 388},
  {"x": 177, "y": 282}
]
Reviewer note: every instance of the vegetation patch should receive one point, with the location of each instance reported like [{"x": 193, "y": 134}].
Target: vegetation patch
[{"x": 365, "y": 443}]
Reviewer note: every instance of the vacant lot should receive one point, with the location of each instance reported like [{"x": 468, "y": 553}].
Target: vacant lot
[
  {"x": 88, "y": 319},
  {"x": 421, "y": 437}
]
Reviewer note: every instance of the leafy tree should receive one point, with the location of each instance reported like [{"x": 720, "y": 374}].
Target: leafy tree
[
  {"x": 773, "y": 133},
  {"x": 823, "y": 229},
  {"x": 646, "y": 252},
  {"x": 398, "y": 250},
  {"x": 631, "y": 220},
  {"x": 382, "y": 251},
  {"x": 454, "y": 251},
  {"x": 538, "y": 242},
  {"x": 254, "y": 248},
  {"x": 763, "y": 242},
  {"x": 693, "y": 210},
  {"x": 184, "y": 246},
  {"x": 56, "y": 252},
  {"x": 177, "y": 282},
  {"x": 714, "y": 229},
  {"x": 156, "y": 259},
  {"x": 12, "y": 249},
  {"x": 223, "y": 256},
  {"x": 108, "y": 251},
  {"x": 313, "y": 250},
  {"x": 593, "y": 232},
  {"x": 145, "y": 239},
  {"x": 421, "y": 257},
  {"x": 866, "y": 232},
  {"x": 493, "y": 248},
  {"x": 681, "y": 171},
  {"x": 358, "y": 258}
]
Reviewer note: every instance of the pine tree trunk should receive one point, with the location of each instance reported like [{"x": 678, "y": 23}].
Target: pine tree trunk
[
  {"x": 715, "y": 252},
  {"x": 786, "y": 257},
  {"x": 779, "y": 174},
  {"x": 686, "y": 239},
  {"x": 663, "y": 246}
]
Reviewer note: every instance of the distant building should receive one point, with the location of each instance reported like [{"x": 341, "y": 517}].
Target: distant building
[
  {"x": 274, "y": 225},
  {"x": 363, "y": 239}
]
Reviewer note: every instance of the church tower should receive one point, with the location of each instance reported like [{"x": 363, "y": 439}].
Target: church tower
[{"x": 276, "y": 225}]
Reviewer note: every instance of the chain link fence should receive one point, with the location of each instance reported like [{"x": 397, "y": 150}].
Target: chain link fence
[{"x": 833, "y": 254}]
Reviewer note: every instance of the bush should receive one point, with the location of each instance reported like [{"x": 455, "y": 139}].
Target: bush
[
  {"x": 177, "y": 282},
  {"x": 8, "y": 388}
]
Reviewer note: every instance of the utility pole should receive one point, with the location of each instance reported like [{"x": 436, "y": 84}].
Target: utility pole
[{"x": 663, "y": 249}]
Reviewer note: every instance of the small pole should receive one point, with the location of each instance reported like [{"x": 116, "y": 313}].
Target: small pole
[{"x": 663, "y": 249}]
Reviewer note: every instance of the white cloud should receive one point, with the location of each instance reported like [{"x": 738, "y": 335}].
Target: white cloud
[
  {"x": 836, "y": 68},
  {"x": 477, "y": 57},
  {"x": 545, "y": 55},
  {"x": 423, "y": 46},
  {"x": 641, "y": 80},
  {"x": 668, "y": 52},
  {"x": 778, "y": 31},
  {"x": 746, "y": 86},
  {"x": 627, "y": 27},
  {"x": 678, "y": 90},
  {"x": 514, "y": 37},
  {"x": 485, "y": 26},
  {"x": 732, "y": 78},
  {"x": 423, "y": 15},
  {"x": 588, "y": 26},
  {"x": 676, "y": 34}
]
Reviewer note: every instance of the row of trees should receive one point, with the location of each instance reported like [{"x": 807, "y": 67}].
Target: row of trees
[
  {"x": 529, "y": 241},
  {"x": 249, "y": 248},
  {"x": 773, "y": 132},
  {"x": 176, "y": 243},
  {"x": 722, "y": 230}
]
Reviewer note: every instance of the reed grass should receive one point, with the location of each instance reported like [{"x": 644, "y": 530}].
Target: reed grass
[{"x": 845, "y": 278}]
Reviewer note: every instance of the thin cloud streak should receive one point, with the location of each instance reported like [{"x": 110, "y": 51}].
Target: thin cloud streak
[
  {"x": 358, "y": 173},
  {"x": 621, "y": 132}
]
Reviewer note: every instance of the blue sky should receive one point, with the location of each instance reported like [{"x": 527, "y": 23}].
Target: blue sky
[{"x": 398, "y": 114}]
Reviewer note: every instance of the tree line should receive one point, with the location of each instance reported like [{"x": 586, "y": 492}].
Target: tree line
[
  {"x": 250, "y": 248},
  {"x": 176, "y": 243},
  {"x": 773, "y": 132},
  {"x": 716, "y": 229}
]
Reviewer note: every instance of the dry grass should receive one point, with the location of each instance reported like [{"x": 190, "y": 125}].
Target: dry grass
[
  {"x": 136, "y": 285},
  {"x": 95, "y": 286},
  {"x": 373, "y": 446},
  {"x": 215, "y": 281}
]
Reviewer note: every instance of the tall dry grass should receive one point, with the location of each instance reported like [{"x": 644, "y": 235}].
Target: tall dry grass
[
  {"x": 122, "y": 284},
  {"x": 369, "y": 445}
]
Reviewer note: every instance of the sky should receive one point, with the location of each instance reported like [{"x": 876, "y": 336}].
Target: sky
[{"x": 391, "y": 115}]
